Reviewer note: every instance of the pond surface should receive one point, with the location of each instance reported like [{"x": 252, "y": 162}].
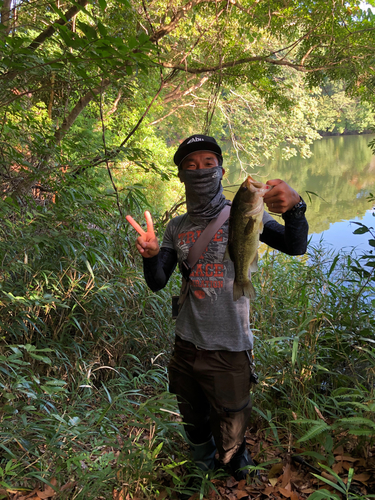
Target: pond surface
[{"x": 340, "y": 173}]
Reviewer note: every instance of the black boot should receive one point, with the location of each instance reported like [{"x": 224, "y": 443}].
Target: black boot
[
  {"x": 241, "y": 459},
  {"x": 203, "y": 455}
]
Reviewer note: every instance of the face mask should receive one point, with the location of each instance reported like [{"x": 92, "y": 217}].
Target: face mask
[{"x": 204, "y": 198}]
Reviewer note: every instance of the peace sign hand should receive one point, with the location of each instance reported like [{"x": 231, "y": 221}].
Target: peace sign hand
[{"x": 147, "y": 243}]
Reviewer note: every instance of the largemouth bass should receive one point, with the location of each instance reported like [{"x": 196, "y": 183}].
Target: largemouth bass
[{"x": 245, "y": 226}]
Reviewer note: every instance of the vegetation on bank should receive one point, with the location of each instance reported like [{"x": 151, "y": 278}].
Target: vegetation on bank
[{"x": 84, "y": 347}]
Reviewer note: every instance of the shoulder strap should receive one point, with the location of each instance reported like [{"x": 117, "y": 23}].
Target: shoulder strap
[{"x": 201, "y": 243}]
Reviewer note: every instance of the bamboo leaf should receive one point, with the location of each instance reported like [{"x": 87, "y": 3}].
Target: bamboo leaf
[{"x": 331, "y": 483}]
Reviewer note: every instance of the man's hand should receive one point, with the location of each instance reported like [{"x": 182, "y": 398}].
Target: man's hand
[
  {"x": 147, "y": 243},
  {"x": 281, "y": 197}
]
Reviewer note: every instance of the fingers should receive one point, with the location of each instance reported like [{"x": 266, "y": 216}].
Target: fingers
[
  {"x": 147, "y": 243},
  {"x": 136, "y": 226},
  {"x": 281, "y": 197},
  {"x": 139, "y": 245},
  {"x": 274, "y": 182},
  {"x": 150, "y": 225},
  {"x": 274, "y": 192},
  {"x": 147, "y": 248}
]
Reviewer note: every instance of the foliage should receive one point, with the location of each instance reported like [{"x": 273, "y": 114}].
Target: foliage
[
  {"x": 339, "y": 113},
  {"x": 338, "y": 485},
  {"x": 314, "y": 325},
  {"x": 82, "y": 351},
  {"x": 100, "y": 433},
  {"x": 85, "y": 343},
  {"x": 92, "y": 98},
  {"x": 78, "y": 84}
]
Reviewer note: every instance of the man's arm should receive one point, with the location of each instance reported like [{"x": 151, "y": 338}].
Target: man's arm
[
  {"x": 291, "y": 238},
  {"x": 158, "y": 269}
]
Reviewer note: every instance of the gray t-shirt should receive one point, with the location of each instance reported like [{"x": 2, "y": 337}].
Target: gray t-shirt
[{"x": 209, "y": 318}]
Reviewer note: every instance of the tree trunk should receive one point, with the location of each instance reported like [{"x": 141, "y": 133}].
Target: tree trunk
[{"x": 5, "y": 15}]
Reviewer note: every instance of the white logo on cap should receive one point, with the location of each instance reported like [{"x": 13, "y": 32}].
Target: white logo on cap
[{"x": 195, "y": 139}]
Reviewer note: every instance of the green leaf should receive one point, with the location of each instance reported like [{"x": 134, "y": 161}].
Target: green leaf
[
  {"x": 41, "y": 358},
  {"x": 156, "y": 451},
  {"x": 57, "y": 417},
  {"x": 357, "y": 421},
  {"x": 88, "y": 265},
  {"x": 361, "y": 230},
  {"x": 143, "y": 38},
  {"x": 314, "y": 431},
  {"x": 331, "y": 483},
  {"x": 10, "y": 201},
  {"x": 333, "y": 265},
  {"x": 132, "y": 42},
  {"x": 361, "y": 432},
  {"x": 56, "y": 382},
  {"x": 295, "y": 350},
  {"x": 323, "y": 494},
  {"x": 88, "y": 30},
  {"x": 102, "y": 29},
  {"x": 58, "y": 11}
]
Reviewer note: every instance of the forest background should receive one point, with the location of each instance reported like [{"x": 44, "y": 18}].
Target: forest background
[{"x": 95, "y": 96}]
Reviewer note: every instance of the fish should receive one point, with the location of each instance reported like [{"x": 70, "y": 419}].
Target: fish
[{"x": 245, "y": 226}]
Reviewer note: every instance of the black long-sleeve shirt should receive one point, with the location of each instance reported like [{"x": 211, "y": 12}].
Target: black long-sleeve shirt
[{"x": 290, "y": 239}]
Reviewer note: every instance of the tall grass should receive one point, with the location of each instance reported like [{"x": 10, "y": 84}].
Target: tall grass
[
  {"x": 83, "y": 349},
  {"x": 314, "y": 322},
  {"x": 84, "y": 345}
]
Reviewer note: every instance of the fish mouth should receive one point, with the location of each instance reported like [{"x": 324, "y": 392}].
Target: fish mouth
[{"x": 253, "y": 185}]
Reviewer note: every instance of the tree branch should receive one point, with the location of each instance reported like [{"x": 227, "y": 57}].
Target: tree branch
[
  {"x": 191, "y": 103},
  {"x": 246, "y": 60},
  {"x": 5, "y": 15},
  {"x": 178, "y": 94},
  {"x": 164, "y": 30},
  {"x": 47, "y": 33},
  {"x": 78, "y": 108},
  {"x": 110, "y": 155}
]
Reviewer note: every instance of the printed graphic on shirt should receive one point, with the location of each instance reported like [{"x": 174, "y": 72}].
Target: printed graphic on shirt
[{"x": 208, "y": 275}]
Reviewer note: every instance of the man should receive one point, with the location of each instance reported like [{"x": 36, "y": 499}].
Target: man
[{"x": 210, "y": 370}]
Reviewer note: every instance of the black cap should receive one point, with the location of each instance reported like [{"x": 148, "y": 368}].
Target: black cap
[{"x": 196, "y": 143}]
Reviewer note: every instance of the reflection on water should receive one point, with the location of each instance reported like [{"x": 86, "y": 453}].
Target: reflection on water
[
  {"x": 341, "y": 174},
  {"x": 340, "y": 234}
]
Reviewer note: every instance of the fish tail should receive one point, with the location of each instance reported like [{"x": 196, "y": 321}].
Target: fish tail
[{"x": 243, "y": 290}]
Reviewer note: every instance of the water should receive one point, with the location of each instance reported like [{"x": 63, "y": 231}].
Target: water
[{"x": 335, "y": 183}]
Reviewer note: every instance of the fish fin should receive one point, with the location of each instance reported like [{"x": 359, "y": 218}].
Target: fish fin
[
  {"x": 249, "y": 226},
  {"x": 261, "y": 227},
  {"x": 246, "y": 290},
  {"x": 254, "y": 265}
]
